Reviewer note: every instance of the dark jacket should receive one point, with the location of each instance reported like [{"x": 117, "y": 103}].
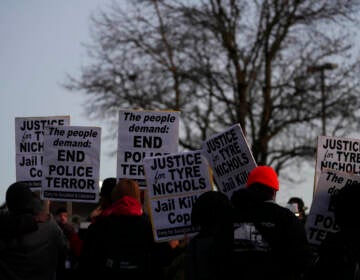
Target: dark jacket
[
  {"x": 338, "y": 258},
  {"x": 119, "y": 245},
  {"x": 209, "y": 253},
  {"x": 269, "y": 241},
  {"x": 30, "y": 241},
  {"x": 33, "y": 255},
  {"x": 15, "y": 225}
]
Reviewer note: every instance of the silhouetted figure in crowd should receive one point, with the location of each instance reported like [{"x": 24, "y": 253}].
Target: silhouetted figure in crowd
[
  {"x": 119, "y": 244},
  {"x": 297, "y": 206},
  {"x": 339, "y": 254},
  {"x": 15, "y": 225},
  {"x": 105, "y": 197},
  {"x": 31, "y": 253},
  {"x": 74, "y": 238},
  {"x": 68, "y": 264},
  {"x": 269, "y": 241},
  {"x": 209, "y": 253}
]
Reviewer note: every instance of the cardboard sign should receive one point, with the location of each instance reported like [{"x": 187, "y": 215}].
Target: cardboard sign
[
  {"x": 337, "y": 153},
  {"x": 321, "y": 219},
  {"x": 29, "y": 143},
  {"x": 174, "y": 183},
  {"x": 71, "y": 163},
  {"x": 144, "y": 134},
  {"x": 230, "y": 158}
]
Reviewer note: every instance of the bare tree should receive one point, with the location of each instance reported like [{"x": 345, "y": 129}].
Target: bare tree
[{"x": 222, "y": 62}]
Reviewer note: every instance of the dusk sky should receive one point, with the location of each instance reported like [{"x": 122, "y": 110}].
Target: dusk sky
[{"x": 40, "y": 43}]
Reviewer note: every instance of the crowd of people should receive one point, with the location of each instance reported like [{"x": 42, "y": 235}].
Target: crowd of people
[{"x": 249, "y": 236}]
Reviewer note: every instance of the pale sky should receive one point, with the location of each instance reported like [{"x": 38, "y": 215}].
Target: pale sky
[{"x": 40, "y": 43}]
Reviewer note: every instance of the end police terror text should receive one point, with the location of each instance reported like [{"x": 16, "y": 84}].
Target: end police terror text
[{"x": 80, "y": 175}]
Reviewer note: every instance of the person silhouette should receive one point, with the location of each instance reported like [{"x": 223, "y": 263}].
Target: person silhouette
[
  {"x": 119, "y": 244},
  {"x": 269, "y": 241},
  {"x": 34, "y": 253},
  {"x": 339, "y": 254},
  {"x": 297, "y": 206}
]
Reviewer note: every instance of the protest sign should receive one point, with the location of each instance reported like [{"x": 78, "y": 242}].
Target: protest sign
[
  {"x": 71, "y": 163},
  {"x": 230, "y": 158},
  {"x": 321, "y": 219},
  {"x": 29, "y": 145},
  {"x": 144, "y": 134},
  {"x": 174, "y": 183},
  {"x": 337, "y": 153}
]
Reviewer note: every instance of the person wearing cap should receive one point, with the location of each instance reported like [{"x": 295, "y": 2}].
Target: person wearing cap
[{"x": 269, "y": 241}]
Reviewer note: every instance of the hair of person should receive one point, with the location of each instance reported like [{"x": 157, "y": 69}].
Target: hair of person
[
  {"x": 20, "y": 199},
  {"x": 243, "y": 198},
  {"x": 126, "y": 187},
  {"x": 210, "y": 207},
  {"x": 262, "y": 192},
  {"x": 298, "y": 201},
  {"x": 107, "y": 187}
]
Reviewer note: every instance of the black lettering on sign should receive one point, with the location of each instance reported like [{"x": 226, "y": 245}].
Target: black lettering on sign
[
  {"x": 185, "y": 172},
  {"x": 69, "y": 183},
  {"x": 55, "y": 131},
  {"x": 35, "y": 147},
  {"x": 39, "y": 124},
  {"x": 183, "y": 218},
  {"x": 317, "y": 234},
  {"x": 326, "y": 222},
  {"x": 69, "y": 155},
  {"x": 164, "y": 206},
  {"x": 132, "y": 169},
  {"x": 76, "y": 171},
  {"x": 154, "y": 142},
  {"x": 138, "y": 156},
  {"x": 130, "y": 116}
]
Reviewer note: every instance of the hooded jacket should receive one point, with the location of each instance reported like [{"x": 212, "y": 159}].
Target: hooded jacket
[
  {"x": 119, "y": 244},
  {"x": 32, "y": 256}
]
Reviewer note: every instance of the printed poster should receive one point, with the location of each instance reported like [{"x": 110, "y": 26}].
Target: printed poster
[
  {"x": 71, "y": 164},
  {"x": 174, "y": 183},
  {"x": 144, "y": 134},
  {"x": 337, "y": 153},
  {"x": 321, "y": 219},
  {"x": 230, "y": 158},
  {"x": 29, "y": 145}
]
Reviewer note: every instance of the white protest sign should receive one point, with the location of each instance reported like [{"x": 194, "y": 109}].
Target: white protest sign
[
  {"x": 144, "y": 134},
  {"x": 337, "y": 153},
  {"x": 71, "y": 163},
  {"x": 174, "y": 183},
  {"x": 321, "y": 219},
  {"x": 230, "y": 158},
  {"x": 29, "y": 145}
]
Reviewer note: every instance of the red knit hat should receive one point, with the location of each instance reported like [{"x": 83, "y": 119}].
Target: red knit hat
[{"x": 265, "y": 175}]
